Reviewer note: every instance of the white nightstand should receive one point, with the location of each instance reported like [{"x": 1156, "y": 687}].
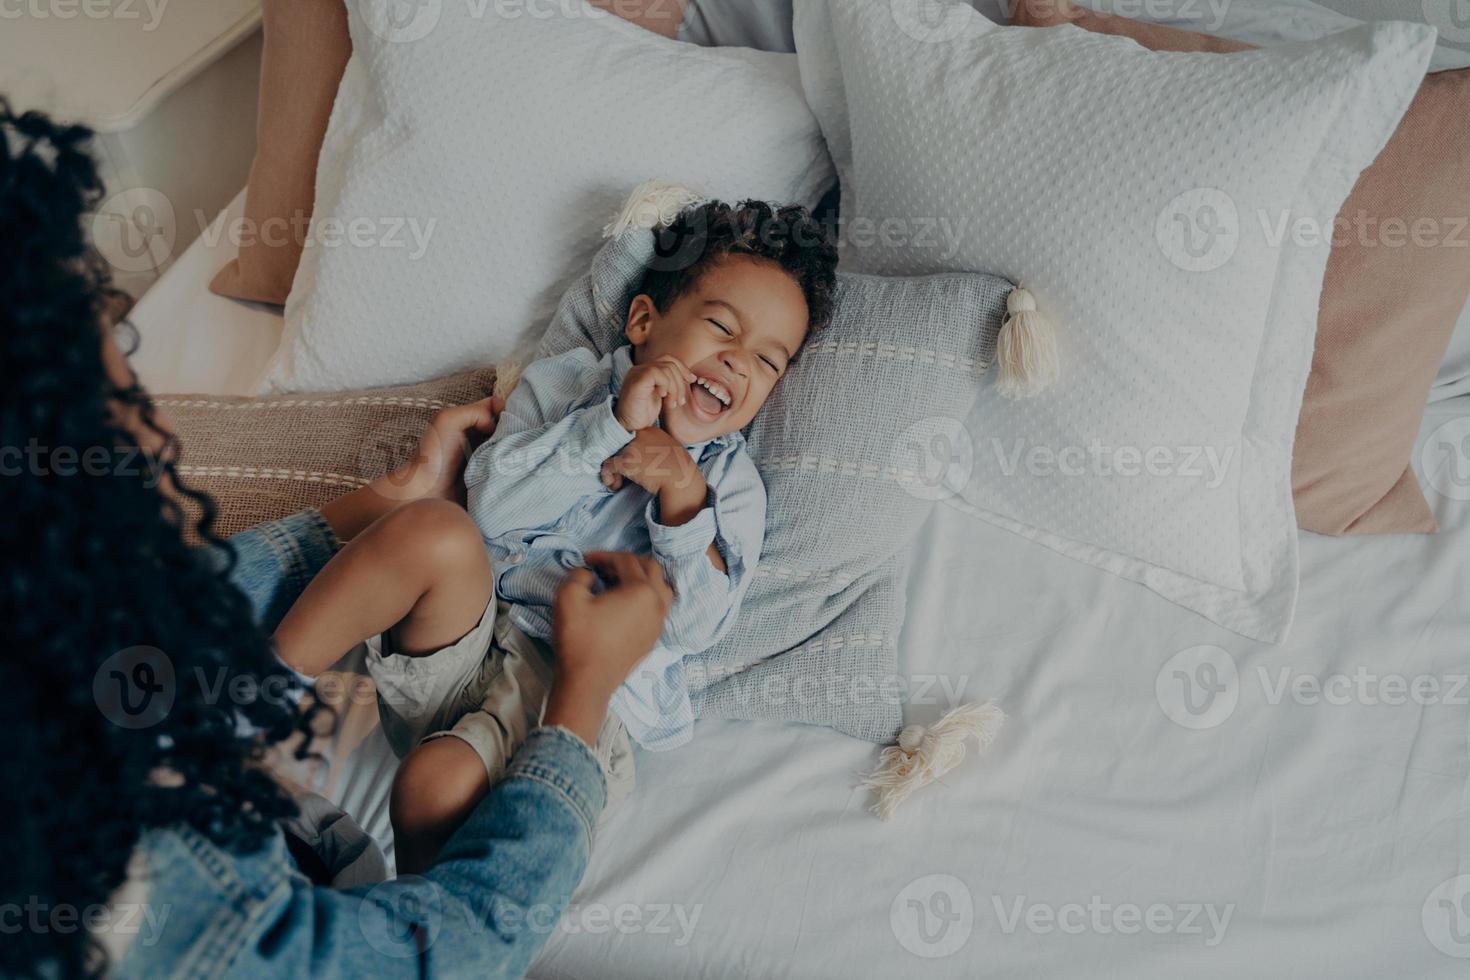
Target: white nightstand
[{"x": 170, "y": 86}]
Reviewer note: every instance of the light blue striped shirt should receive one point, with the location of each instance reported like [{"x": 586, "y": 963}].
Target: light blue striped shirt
[{"x": 536, "y": 494}]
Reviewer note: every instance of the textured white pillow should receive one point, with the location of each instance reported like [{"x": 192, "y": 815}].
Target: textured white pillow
[
  {"x": 1127, "y": 190},
  {"x": 474, "y": 154}
]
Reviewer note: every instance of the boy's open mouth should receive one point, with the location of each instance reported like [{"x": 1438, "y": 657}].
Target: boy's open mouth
[{"x": 709, "y": 399}]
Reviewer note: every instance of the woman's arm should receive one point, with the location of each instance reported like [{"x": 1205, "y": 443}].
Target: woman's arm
[{"x": 500, "y": 884}]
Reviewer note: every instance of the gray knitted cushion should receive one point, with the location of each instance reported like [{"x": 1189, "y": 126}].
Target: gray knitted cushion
[{"x": 853, "y": 446}]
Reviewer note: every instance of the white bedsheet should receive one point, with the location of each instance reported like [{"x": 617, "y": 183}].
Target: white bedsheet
[{"x": 1098, "y": 835}]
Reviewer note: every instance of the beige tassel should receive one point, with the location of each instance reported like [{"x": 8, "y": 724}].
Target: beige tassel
[
  {"x": 923, "y": 754},
  {"x": 653, "y": 204},
  {"x": 1027, "y": 348},
  {"x": 506, "y": 376}
]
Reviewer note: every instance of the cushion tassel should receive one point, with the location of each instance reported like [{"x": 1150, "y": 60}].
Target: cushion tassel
[
  {"x": 923, "y": 754},
  {"x": 506, "y": 376},
  {"x": 653, "y": 204},
  {"x": 1026, "y": 349}
]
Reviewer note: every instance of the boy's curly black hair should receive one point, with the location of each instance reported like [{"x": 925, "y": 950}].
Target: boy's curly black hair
[
  {"x": 91, "y": 564},
  {"x": 788, "y": 236}
]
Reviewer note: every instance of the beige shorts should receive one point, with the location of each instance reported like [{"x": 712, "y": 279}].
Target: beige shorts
[{"x": 489, "y": 689}]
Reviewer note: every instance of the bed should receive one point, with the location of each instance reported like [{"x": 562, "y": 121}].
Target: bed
[{"x": 1167, "y": 799}]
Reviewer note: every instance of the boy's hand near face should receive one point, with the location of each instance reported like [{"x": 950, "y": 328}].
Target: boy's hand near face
[
  {"x": 647, "y": 388},
  {"x": 660, "y": 464}
]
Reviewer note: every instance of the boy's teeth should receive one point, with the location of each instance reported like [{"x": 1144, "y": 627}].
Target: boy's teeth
[{"x": 714, "y": 389}]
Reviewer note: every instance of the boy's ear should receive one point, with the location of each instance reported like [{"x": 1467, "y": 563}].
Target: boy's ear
[{"x": 640, "y": 319}]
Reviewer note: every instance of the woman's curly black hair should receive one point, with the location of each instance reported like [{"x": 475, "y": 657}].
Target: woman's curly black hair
[
  {"x": 789, "y": 236},
  {"x": 93, "y": 562}
]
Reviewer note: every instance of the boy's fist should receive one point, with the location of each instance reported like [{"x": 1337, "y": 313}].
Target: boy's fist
[
  {"x": 655, "y": 461},
  {"x": 648, "y": 388}
]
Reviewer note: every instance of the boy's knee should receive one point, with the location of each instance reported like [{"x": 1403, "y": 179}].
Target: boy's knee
[
  {"x": 436, "y": 786},
  {"x": 439, "y": 531}
]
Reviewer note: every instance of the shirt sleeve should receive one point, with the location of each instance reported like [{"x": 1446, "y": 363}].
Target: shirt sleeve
[
  {"x": 706, "y": 600},
  {"x": 548, "y": 448}
]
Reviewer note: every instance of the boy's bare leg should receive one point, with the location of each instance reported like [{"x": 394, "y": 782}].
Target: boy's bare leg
[
  {"x": 421, "y": 570},
  {"x": 436, "y": 787}
]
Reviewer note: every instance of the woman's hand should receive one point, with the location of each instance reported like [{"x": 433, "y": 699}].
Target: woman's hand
[
  {"x": 600, "y": 638},
  {"x": 436, "y": 469}
]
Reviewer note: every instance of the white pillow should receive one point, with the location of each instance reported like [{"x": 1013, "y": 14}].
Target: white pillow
[
  {"x": 475, "y": 153},
  {"x": 1066, "y": 160}
]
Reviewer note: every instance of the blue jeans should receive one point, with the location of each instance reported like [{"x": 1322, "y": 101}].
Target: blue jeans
[{"x": 485, "y": 909}]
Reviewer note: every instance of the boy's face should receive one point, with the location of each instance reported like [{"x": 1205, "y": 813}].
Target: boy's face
[{"x": 736, "y": 329}]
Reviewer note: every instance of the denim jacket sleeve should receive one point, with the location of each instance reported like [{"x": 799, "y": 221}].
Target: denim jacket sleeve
[
  {"x": 274, "y": 561},
  {"x": 484, "y": 910}
]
